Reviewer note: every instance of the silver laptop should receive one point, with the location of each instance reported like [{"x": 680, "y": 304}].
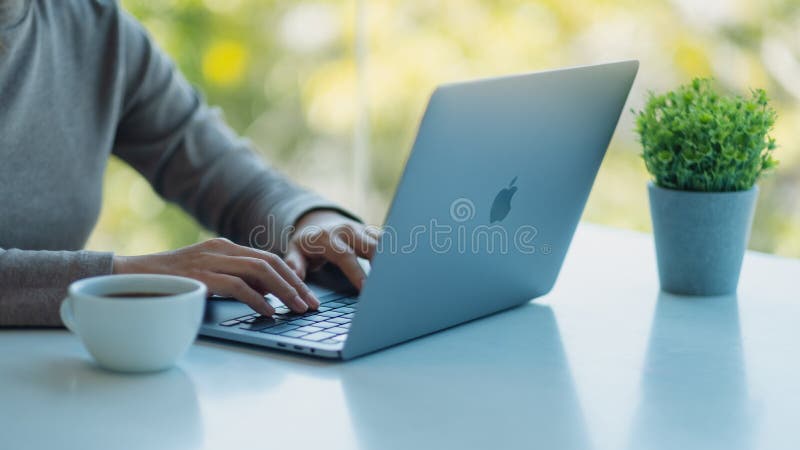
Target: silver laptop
[{"x": 480, "y": 222}]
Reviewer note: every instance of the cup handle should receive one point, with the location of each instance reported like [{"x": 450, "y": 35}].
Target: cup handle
[{"x": 66, "y": 314}]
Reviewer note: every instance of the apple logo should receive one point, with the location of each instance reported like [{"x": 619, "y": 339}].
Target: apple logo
[{"x": 501, "y": 205}]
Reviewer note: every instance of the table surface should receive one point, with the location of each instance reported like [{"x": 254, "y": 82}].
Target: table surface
[{"x": 605, "y": 361}]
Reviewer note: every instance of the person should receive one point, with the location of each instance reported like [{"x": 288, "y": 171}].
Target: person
[{"x": 81, "y": 80}]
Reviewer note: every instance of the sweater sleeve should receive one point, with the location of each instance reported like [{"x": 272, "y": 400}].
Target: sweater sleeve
[
  {"x": 192, "y": 158},
  {"x": 35, "y": 281}
]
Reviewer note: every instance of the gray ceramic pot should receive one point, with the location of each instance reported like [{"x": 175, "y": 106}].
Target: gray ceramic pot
[{"x": 700, "y": 238}]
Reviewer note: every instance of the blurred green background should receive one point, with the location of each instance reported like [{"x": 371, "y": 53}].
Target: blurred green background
[{"x": 331, "y": 91}]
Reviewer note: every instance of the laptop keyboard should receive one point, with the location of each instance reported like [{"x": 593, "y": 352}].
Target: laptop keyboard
[{"x": 329, "y": 324}]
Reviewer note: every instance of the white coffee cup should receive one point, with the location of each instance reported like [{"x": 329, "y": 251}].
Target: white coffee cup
[{"x": 135, "y": 333}]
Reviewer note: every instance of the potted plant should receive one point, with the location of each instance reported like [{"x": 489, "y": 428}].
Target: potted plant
[{"x": 705, "y": 152}]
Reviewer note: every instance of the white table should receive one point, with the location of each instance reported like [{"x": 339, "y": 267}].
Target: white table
[{"x": 604, "y": 362}]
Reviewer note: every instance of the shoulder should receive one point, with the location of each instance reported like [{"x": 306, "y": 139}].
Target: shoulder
[{"x": 79, "y": 15}]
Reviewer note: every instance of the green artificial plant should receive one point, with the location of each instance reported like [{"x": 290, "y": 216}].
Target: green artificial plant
[{"x": 695, "y": 139}]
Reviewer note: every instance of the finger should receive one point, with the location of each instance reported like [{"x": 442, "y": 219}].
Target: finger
[
  {"x": 297, "y": 283},
  {"x": 238, "y": 267},
  {"x": 290, "y": 275},
  {"x": 373, "y": 231},
  {"x": 307, "y": 298},
  {"x": 365, "y": 245},
  {"x": 299, "y": 290},
  {"x": 340, "y": 254},
  {"x": 231, "y": 286},
  {"x": 296, "y": 261},
  {"x": 260, "y": 272}
]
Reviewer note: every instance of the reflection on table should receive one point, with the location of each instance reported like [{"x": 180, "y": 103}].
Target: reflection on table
[
  {"x": 511, "y": 389},
  {"x": 694, "y": 388},
  {"x": 88, "y": 407}
]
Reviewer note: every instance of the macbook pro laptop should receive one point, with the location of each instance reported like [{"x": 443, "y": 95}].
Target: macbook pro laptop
[{"x": 481, "y": 219}]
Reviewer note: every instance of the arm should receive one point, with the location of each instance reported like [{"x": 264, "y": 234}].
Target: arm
[
  {"x": 188, "y": 154},
  {"x": 192, "y": 158},
  {"x": 34, "y": 282}
]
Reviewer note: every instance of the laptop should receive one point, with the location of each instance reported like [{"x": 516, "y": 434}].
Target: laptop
[{"x": 481, "y": 219}]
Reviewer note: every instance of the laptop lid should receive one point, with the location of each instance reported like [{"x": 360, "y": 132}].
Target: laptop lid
[{"x": 490, "y": 197}]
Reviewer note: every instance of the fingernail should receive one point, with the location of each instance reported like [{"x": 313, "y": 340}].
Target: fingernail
[
  {"x": 300, "y": 303},
  {"x": 314, "y": 301}
]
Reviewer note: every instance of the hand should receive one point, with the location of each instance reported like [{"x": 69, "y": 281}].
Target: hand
[
  {"x": 230, "y": 270},
  {"x": 325, "y": 235}
]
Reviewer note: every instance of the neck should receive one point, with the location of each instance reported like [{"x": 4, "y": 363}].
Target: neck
[{"x": 11, "y": 11}]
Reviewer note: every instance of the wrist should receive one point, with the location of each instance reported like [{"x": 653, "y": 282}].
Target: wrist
[
  {"x": 316, "y": 216},
  {"x": 124, "y": 264},
  {"x": 118, "y": 265}
]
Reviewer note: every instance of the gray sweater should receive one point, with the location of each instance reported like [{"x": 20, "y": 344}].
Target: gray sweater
[{"x": 80, "y": 80}]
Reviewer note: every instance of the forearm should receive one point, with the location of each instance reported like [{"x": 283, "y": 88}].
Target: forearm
[{"x": 33, "y": 283}]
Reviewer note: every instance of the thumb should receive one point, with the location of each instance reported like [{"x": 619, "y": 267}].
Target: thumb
[{"x": 296, "y": 261}]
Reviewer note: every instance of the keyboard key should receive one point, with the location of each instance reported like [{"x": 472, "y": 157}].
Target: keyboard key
[
  {"x": 279, "y": 329},
  {"x": 339, "y": 320},
  {"x": 331, "y": 314},
  {"x": 330, "y": 341},
  {"x": 348, "y": 301},
  {"x": 323, "y": 308},
  {"x": 288, "y": 316},
  {"x": 249, "y": 316},
  {"x": 340, "y": 337},
  {"x": 325, "y": 324},
  {"x": 318, "y": 336},
  {"x": 259, "y": 322},
  {"x": 334, "y": 305},
  {"x": 259, "y": 317},
  {"x": 345, "y": 325},
  {"x": 294, "y": 333},
  {"x": 282, "y": 310},
  {"x": 337, "y": 330},
  {"x": 346, "y": 309},
  {"x": 348, "y": 316},
  {"x": 302, "y": 322},
  {"x": 309, "y": 329},
  {"x": 256, "y": 326},
  {"x": 229, "y": 323},
  {"x": 316, "y": 318}
]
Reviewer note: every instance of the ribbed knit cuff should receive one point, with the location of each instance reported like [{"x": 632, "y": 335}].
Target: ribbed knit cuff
[{"x": 35, "y": 282}]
